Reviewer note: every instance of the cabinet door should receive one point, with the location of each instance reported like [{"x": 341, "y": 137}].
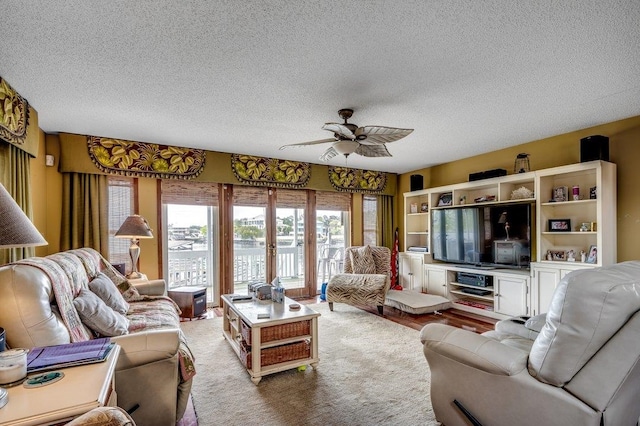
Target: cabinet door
[
  {"x": 417, "y": 265},
  {"x": 510, "y": 296},
  {"x": 544, "y": 284},
  {"x": 436, "y": 281},
  {"x": 405, "y": 271}
]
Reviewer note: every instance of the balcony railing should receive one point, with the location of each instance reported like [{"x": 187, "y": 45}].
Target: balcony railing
[{"x": 189, "y": 267}]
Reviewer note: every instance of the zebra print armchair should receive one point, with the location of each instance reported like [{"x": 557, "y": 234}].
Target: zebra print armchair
[{"x": 366, "y": 278}]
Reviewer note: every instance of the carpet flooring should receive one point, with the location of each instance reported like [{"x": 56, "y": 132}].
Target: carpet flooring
[{"x": 372, "y": 372}]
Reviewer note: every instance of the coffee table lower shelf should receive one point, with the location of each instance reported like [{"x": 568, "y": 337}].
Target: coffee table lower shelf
[{"x": 267, "y": 354}]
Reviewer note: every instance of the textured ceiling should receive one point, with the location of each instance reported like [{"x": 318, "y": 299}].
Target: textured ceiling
[{"x": 248, "y": 76}]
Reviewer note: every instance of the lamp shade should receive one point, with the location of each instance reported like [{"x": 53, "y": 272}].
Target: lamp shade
[
  {"x": 134, "y": 226},
  {"x": 16, "y": 230}
]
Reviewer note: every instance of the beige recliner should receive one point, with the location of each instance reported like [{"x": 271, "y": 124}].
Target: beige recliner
[
  {"x": 366, "y": 278},
  {"x": 581, "y": 368}
]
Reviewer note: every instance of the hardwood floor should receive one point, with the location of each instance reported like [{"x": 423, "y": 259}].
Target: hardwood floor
[{"x": 453, "y": 317}]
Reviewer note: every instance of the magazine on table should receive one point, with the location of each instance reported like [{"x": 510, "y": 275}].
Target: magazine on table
[{"x": 68, "y": 355}]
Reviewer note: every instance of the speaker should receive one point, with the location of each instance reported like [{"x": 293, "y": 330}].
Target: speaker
[
  {"x": 594, "y": 147},
  {"x": 417, "y": 182}
]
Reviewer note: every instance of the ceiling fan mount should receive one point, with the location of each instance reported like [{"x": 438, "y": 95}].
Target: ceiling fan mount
[{"x": 368, "y": 141}]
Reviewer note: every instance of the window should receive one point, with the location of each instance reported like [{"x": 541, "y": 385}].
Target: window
[
  {"x": 370, "y": 220},
  {"x": 121, "y": 202}
]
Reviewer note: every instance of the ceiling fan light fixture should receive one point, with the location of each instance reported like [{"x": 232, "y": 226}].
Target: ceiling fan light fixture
[{"x": 345, "y": 147}]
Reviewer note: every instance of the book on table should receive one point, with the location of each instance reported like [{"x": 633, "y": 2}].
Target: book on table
[{"x": 68, "y": 355}]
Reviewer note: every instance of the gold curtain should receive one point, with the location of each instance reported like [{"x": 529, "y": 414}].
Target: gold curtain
[
  {"x": 16, "y": 178},
  {"x": 386, "y": 224},
  {"x": 85, "y": 212}
]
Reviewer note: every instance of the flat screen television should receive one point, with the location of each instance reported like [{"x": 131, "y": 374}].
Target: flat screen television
[{"x": 493, "y": 236}]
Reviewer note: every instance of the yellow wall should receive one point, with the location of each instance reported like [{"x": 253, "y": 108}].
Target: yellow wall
[{"x": 624, "y": 150}]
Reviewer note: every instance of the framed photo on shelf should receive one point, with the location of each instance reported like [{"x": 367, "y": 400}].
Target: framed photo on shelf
[
  {"x": 592, "y": 255},
  {"x": 424, "y": 207},
  {"x": 413, "y": 208},
  {"x": 559, "y": 225},
  {"x": 560, "y": 194},
  {"x": 445, "y": 199}
]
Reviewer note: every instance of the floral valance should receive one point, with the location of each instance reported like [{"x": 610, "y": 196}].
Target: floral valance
[
  {"x": 263, "y": 171},
  {"x": 14, "y": 114},
  {"x": 356, "y": 180},
  {"x": 127, "y": 158}
]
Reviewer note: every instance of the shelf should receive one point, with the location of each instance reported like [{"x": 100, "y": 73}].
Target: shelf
[
  {"x": 569, "y": 233},
  {"x": 470, "y": 286},
  {"x": 285, "y": 341},
  {"x": 567, "y": 203},
  {"x": 418, "y": 214},
  {"x": 474, "y": 296},
  {"x": 419, "y": 233}
]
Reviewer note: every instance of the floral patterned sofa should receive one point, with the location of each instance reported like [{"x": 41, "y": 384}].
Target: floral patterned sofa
[{"x": 52, "y": 300}]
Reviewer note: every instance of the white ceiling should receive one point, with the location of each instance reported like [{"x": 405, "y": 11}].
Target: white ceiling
[{"x": 248, "y": 76}]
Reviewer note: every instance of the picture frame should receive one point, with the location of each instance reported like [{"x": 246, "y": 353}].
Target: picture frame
[
  {"x": 413, "y": 208},
  {"x": 560, "y": 194},
  {"x": 424, "y": 208},
  {"x": 445, "y": 199},
  {"x": 593, "y": 193},
  {"x": 592, "y": 254},
  {"x": 559, "y": 225}
]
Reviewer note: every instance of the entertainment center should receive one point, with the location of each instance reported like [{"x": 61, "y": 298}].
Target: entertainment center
[{"x": 522, "y": 233}]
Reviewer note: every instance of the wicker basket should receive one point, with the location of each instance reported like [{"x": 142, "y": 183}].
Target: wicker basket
[
  {"x": 277, "y": 332},
  {"x": 276, "y": 354}
]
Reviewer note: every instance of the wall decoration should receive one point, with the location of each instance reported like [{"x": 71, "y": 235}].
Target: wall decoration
[
  {"x": 262, "y": 171},
  {"x": 14, "y": 114},
  {"x": 127, "y": 158},
  {"x": 357, "y": 180},
  {"x": 559, "y": 225}
]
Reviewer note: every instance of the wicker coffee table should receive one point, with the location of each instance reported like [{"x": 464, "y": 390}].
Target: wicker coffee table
[{"x": 281, "y": 339}]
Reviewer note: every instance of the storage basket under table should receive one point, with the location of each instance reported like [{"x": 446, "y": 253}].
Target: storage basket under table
[
  {"x": 277, "y": 332},
  {"x": 276, "y": 354}
]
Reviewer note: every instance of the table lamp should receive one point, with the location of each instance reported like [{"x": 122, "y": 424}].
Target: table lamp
[
  {"x": 16, "y": 231},
  {"x": 134, "y": 227}
]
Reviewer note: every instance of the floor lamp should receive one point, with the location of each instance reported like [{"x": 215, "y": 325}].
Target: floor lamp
[
  {"x": 134, "y": 227},
  {"x": 16, "y": 231}
]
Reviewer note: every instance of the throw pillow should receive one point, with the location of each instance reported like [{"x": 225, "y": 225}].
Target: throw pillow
[
  {"x": 106, "y": 290},
  {"x": 100, "y": 318},
  {"x": 362, "y": 261}
]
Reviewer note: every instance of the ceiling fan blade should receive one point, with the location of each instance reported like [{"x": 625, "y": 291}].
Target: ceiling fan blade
[
  {"x": 376, "y": 135},
  {"x": 329, "y": 154},
  {"x": 308, "y": 143},
  {"x": 373, "y": 151},
  {"x": 340, "y": 129}
]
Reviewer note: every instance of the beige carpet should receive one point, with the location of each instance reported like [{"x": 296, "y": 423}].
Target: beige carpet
[{"x": 371, "y": 372}]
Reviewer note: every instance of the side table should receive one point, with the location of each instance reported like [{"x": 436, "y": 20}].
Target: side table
[
  {"x": 82, "y": 389},
  {"x": 191, "y": 300}
]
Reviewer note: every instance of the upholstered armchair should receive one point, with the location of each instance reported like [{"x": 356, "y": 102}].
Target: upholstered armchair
[
  {"x": 366, "y": 278},
  {"x": 577, "y": 365}
]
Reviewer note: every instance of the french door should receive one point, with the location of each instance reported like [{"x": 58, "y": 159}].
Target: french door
[{"x": 269, "y": 239}]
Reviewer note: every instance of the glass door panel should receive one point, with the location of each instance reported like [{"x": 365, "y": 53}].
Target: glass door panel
[
  {"x": 332, "y": 231},
  {"x": 190, "y": 247},
  {"x": 290, "y": 260},
  {"x": 249, "y": 246}
]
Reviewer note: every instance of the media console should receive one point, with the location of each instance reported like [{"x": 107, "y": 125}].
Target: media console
[{"x": 563, "y": 227}]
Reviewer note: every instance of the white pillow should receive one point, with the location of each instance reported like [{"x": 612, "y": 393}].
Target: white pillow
[
  {"x": 100, "y": 318},
  {"x": 106, "y": 290}
]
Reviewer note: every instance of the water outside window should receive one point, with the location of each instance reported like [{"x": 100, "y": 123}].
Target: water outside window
[{"x": 331, "y": 228}]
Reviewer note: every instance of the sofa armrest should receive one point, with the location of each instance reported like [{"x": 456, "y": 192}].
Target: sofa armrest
[
  {"x": 146, "y": 347},
  {"x": 473, "y": 349},
  {"x": 150, "y": 287}
]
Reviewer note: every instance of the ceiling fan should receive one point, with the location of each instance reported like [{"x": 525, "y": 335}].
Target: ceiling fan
[{"x": 348, "y": 138}]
